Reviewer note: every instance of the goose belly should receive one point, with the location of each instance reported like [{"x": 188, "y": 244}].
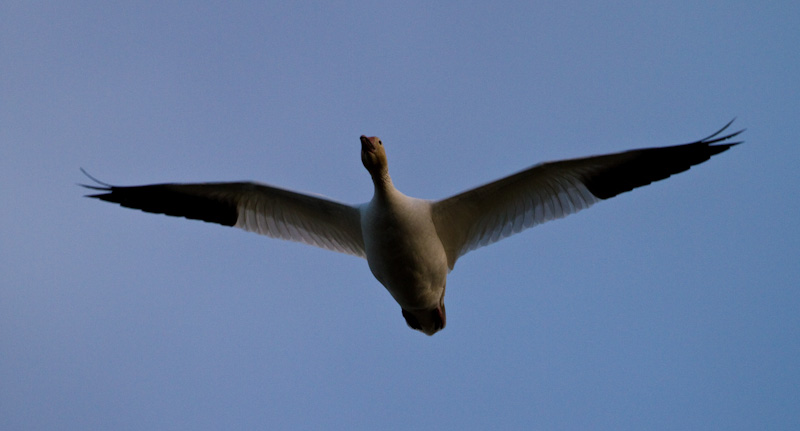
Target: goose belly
[{"x": 407, "y": 257}]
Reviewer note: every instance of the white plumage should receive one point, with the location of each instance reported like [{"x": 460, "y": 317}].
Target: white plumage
[{"x": 411, "y": 244}]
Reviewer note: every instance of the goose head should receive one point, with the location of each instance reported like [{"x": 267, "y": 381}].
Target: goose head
[{"x": 374, "y": 156}]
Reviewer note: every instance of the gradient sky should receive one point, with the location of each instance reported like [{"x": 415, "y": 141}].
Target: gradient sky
[{"x": 673, "y": 307}]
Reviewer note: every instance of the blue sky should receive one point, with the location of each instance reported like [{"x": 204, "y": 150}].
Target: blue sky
[{"x": 671, "y": 307}]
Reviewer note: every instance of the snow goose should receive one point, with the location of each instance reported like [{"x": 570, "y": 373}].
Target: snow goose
[{"x": 412, "y": 244}]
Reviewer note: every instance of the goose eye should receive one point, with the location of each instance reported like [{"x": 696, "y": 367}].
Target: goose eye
[{"x": 379, "y": 142}]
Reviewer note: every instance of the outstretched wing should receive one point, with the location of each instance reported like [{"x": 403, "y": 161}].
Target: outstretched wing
[
  {"x": 548, "y": 191},
  {"x": 254, "y": 207}
]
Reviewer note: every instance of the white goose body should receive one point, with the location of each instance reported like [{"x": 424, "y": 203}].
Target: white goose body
[
  {"x": 403, "y": 249},
  {"x": 406, "y": 255},
  {"x": 411, "y": 244}
]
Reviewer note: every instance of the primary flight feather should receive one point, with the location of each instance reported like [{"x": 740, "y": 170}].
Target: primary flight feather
[{"x": 412, "y": 244}]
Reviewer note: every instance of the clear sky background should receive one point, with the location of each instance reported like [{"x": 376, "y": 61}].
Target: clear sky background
[{"x": 673, "y": 307}]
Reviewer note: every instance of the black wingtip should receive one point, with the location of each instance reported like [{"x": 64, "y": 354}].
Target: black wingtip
[
  {"x": 106, "y": 185},
  {"x": 103, "y": 187},
  {"x": 715, "y": 138},
  {"x": 648, "y": 165}
]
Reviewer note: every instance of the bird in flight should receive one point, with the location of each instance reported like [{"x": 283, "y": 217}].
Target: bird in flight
[{"x": 412, "y": 244}]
